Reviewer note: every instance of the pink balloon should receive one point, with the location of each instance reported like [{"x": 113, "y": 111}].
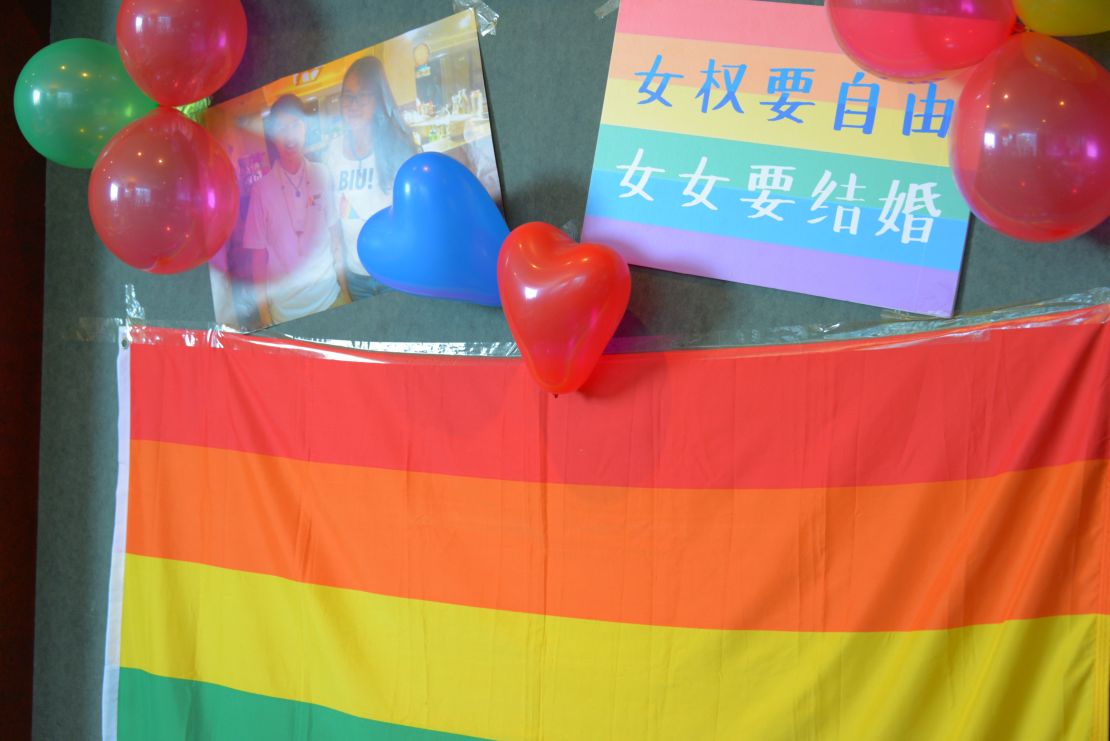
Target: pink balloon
[
  {"x": 163, "y": 195},
  {"x": 919, "y": 40},
  {"x": 1030, "y": 145},
  {"x": 179, "y": 51}
]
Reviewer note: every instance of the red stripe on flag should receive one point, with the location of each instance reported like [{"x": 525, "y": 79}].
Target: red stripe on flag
[{"x": 902, "y": 410}]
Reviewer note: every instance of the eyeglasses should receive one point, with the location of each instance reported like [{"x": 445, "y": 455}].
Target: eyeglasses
[{"x": 362, "y": 100}]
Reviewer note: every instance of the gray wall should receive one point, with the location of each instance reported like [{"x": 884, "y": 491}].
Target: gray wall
[{"x": 545, "y": 72}]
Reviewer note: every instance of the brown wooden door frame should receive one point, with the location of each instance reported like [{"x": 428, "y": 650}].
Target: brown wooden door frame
[{"x": 26, "y": 29}]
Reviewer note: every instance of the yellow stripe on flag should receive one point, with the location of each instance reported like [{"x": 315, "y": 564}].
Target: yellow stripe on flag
[
  {"x": 505, "y": 674},
  {"x": 886, "y": 141}
]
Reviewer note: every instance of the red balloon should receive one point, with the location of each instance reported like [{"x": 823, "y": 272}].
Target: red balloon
[
  {"x": 919, "y": 40},
  {"x": 563, "y": 301},
  {"x": 163, "y": 195},
  {"x": 1030, "y": 146},
  {"x": 180, "y": 51}
]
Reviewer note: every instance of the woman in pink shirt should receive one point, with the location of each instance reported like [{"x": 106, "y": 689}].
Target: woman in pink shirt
[{"x": 292, "y": 226}]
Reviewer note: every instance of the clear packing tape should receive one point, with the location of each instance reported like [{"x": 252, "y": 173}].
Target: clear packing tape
[
  {"x": 487, "y": 16},
  {"x": 1067, "y": 310},
  {"x": 97, "y": 329},
  {"x": 607, "y": 8}
]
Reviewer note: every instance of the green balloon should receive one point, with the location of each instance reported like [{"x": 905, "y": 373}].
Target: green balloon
[{"x": 72, "y": 97}]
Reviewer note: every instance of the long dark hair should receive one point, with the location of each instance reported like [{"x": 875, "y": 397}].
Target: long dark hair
[{"x": 393, "y": 143}]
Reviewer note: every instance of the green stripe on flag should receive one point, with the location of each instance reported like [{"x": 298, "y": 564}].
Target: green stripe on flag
[{"x": 154, "y": 708}]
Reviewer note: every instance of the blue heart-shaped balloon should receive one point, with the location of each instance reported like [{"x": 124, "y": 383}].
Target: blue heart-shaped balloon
[{"x": 441, "y": 236}]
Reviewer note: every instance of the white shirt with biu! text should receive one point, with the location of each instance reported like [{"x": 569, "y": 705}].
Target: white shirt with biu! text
[{"x": 358, "y": 195}]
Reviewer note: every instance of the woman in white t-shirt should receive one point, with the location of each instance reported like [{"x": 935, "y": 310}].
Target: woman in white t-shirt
[
  {"x": 292, "y": 225},
  {"x": 364, "y": 159}
]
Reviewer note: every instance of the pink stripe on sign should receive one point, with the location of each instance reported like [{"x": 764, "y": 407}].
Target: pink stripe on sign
[
  {"x": 844, "y": 277},
  {"x": 731, "y": 21}
]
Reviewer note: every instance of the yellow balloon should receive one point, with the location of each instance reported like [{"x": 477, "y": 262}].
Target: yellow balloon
[{"x": 1065, "y": 17}]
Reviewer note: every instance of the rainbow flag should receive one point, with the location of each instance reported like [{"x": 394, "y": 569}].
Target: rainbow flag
[
  {"x": 900, "y": 538},
  {"x": 738, "y": 142}
]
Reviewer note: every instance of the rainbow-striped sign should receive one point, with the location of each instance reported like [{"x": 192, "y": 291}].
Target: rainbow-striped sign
[{"x": 738, "y": 142}]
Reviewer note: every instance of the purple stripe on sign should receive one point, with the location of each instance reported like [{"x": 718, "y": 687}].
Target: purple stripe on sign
[{"x": 844, "y": 277}]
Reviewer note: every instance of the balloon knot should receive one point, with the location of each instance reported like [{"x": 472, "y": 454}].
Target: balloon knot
[{"x": 195, "y": 110}]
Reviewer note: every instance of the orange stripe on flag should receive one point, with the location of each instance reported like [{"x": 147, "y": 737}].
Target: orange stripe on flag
[{"x": 868, "y": 558}]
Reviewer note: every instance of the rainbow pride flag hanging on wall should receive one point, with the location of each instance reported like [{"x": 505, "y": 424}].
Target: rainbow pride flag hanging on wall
[
  {"x": 902, "y": 538},
  {"x": 738, "y": 142}
]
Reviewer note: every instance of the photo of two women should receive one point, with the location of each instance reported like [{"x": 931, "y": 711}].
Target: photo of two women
[{"x": 317, "y": 153}]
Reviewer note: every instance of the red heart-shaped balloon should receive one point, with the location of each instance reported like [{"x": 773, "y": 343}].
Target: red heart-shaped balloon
[{"x": 563, "y": 301}]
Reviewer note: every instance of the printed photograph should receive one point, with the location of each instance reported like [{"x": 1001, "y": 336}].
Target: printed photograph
[{"x": 316, "y": 154}]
